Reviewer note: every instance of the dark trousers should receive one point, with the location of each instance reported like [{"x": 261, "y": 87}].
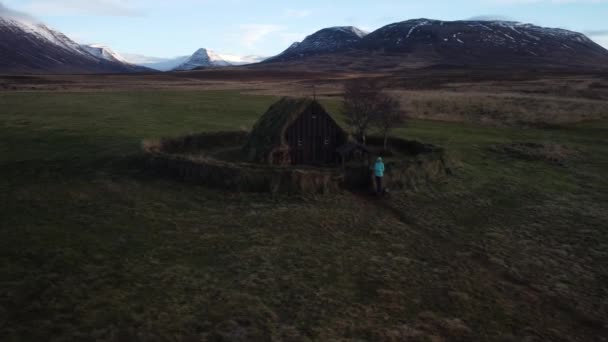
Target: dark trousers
[{"x": 379, "y": 184}]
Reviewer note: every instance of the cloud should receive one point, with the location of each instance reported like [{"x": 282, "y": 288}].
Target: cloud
[
  {"x": 9, "y": 13},
  {"x": 252, "y": 34},
  {"x": 293, "y": 13},
  {"x": 523, "y": 2},
  {"x": 114, "y": 8},
  {"x": 491, "y": 17},
  {"x": 290, "y": 37},
  {"x": 594, "y": 33},
  {"x": 601, "y": 40},
  {"x": 598, "y": 36},
  {"x": 386, "y": 19}
]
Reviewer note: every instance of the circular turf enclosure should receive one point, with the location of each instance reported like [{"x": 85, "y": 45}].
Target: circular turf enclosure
[{"x": 218, "y": 160}]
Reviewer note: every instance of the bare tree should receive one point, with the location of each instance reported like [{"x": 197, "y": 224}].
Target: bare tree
[
  {"x": 360, "y": 99},
  {"x": 388, "y": 115},
  {"x": 366, "y": 105}
]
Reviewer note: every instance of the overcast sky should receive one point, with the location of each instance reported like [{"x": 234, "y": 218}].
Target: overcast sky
[{"x": 167, "y": 28}]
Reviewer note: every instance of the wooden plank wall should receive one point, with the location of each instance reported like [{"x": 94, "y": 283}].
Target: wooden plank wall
[{"x": 313, "y": 139}]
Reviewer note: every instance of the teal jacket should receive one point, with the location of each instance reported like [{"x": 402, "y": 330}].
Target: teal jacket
[{"x": 379, "y": 168}]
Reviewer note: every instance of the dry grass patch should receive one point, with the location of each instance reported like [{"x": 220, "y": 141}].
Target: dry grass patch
[
  {"x": 552, "y": 153},
  {"x": 501, "y": 109}
]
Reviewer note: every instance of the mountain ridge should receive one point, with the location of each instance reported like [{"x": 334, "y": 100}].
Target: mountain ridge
[
  {"x": 327, "y": 40},
  {"x": 104, "y": 52},
  {"x": 29, "y": 46},
  {"x": 480, "y": 42}
]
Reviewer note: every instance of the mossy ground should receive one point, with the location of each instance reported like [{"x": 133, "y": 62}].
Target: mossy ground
[{"x": 94, "y": 247}]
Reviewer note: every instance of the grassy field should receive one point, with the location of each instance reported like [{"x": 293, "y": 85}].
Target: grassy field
[{"x": 512, "y": 247}]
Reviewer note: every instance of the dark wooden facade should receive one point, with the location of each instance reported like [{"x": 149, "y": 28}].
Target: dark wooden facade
[{"x": 313, "y": 138}]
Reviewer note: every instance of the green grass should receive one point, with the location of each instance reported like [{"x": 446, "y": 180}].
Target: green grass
[
  {"x": 92, "y": 246},
  {"x": 64, "y": 125}
]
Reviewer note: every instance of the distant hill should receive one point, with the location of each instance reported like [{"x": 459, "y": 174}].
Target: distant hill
[
  {"x": 168, "y": 64},
  {"x": 482, "y": 43},
  {"x": 156, "y": 63}
]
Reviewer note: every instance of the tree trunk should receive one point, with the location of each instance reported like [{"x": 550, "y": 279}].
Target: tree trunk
[
  {"x": 385, "y": 141},
  {"x": 361, "y": 136}
]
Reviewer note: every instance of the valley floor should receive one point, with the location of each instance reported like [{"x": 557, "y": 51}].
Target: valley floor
[{"x": 512, "y": 247}]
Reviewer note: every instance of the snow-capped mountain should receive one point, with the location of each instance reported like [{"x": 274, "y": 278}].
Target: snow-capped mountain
[
  {"x": 106, "y": 53},
  {"x": 167, "y": 64},
  {"x": 327, "y": 40},
  {"x": 458, "y": 42},
  {"x": 29, "y": 46},
  {"x": 156, "y": 63},
  {"x": 202, "y": 58},
  {"x": 242, "y": 60},
  {"x": 492, "y": 39}
]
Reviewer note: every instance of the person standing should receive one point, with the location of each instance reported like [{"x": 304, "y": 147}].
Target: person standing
[{"x": 379, "y": 173}]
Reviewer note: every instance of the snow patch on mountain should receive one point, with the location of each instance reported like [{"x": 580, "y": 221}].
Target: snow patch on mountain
[
  {"x": 157, "y": 63},
  {"x": 138, "y": 59},
  {"x": 414, "y": 28},
  {"x": 106, "y": 53},
  {"x": 38, "y": 31},
  {"x": 242, "y": 60}
]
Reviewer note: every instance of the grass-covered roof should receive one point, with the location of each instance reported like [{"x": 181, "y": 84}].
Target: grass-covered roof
[{"x": 268, "y": 132}]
